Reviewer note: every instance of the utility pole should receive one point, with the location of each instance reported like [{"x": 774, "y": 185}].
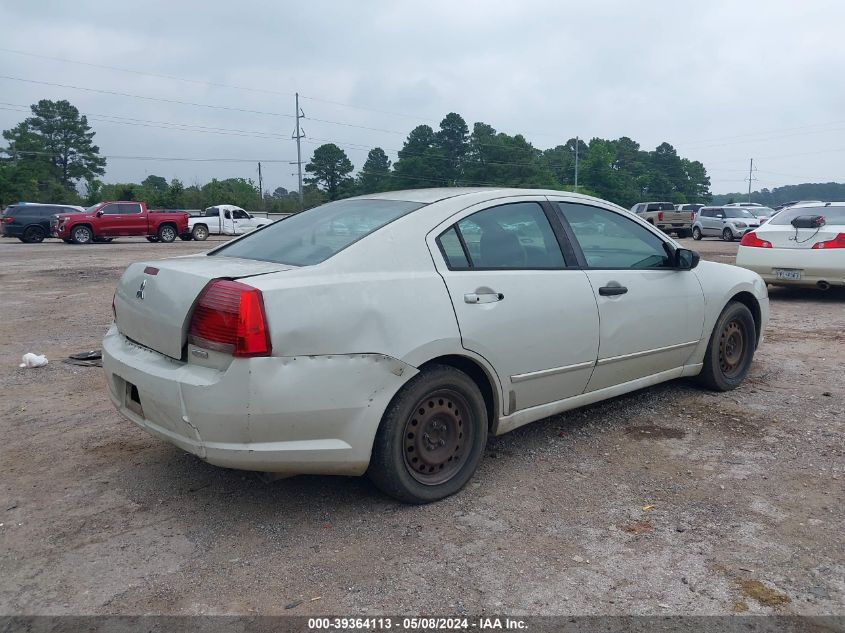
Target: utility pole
[
  {"x": 576, "y": 164},
  {"x": 298, "y": 135},
  {"x": 750, "y": 178},
  {"x": 260, "y": 186}
]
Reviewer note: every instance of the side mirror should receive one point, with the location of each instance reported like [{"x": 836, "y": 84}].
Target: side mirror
[
  {"x": 720, "y": 216},
  {"x": 99, "y": 214},
  {"x": 686, "y": 259}
]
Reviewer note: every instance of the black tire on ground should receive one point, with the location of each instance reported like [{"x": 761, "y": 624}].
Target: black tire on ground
[
  {"x": 200, "y": 233},
  {"x": 730, "y": 350},
  {"x": 696, "y": 233},
  {"x": 152, "y": 238},
  {"x": 81, "y": 235},
  {"x": 431, "y": 438},
  {"x": 166, "y": 233},
  {"x": 728, "y": 235},
  {"x": 33, "y": 235}
]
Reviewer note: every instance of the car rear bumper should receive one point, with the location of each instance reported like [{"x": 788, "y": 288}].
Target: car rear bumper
[
  {"x": 814, "y": 265},
  {"x": 289, "y": 415}
]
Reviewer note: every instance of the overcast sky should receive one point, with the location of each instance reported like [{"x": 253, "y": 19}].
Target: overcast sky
[{"x": 722, "y": 81}]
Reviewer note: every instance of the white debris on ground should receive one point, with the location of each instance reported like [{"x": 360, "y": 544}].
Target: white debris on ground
[{"x": 30, "y": 360}]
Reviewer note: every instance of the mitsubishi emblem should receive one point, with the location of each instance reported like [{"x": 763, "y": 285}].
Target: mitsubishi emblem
[{"x": 140, "y": 293}]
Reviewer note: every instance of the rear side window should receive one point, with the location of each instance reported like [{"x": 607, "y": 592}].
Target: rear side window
[
  {"x": 312, "y": 236},
  {"x": 453, "y": 250},
  {"x": 129, "y": 209},
  {"x": 507, "y": 237}
]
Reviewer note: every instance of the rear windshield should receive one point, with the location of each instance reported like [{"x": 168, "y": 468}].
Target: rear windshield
[
  {"x": 832, "y": 215},
  {"x": 660, "y": 206},
  {"x": 312, "y": 236},
  {"x": 738, "y": 212}
]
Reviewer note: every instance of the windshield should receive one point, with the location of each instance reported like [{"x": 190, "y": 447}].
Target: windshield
[
  {"x": 313, "y": 236},
  {"x": 739, "y": 212},
  {"x": 93, "y": 208},
  {"x": 762, "y": 211},
  {"x": 832, "y": 215}
]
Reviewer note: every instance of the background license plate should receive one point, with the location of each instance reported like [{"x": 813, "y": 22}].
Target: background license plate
[{"x": 794, "y": 275}]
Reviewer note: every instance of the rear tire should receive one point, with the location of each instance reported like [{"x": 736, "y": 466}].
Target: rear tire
[
  {"x": 730, "y": 350},
  {"x": 81, "y": 235},
  {"x": 200, "y": 233},
  {"x": 728, "y": 235},
  {"x": 166, "y": 233},
  {"x": 33, "y": 235},
  {"x": 696, "y": 233},
  {"x": 431, "y": 438}
]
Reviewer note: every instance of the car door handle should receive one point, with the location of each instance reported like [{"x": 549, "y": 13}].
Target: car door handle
[
  {"x": 485, "y": 297},
  {"x": 612, "y": 291}
]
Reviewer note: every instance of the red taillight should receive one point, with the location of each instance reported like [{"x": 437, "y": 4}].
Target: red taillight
[
  {"x": 8, "y": 219},
  {"x": 836, "y": 242},
  {"x": 229, "y": 317},
  {"x": 660, "y": 216},
  {"x": 751, "y": 239},
  {"x": 692, "y": 217}
]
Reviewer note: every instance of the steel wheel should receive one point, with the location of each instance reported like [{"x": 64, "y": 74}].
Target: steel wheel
[
  {"x": 436, "y": 438},
  {"x": 696, "y": 233},
  {"x": 728, "y": 235},
  {"x": 732, "y": 342}
]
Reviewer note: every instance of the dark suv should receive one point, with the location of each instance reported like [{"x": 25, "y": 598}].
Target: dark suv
[{"x": 31, "y": 222}]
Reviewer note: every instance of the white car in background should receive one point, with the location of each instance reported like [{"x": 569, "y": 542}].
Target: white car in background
[
  {"x": 224, "y": 219},
  {"x": 434, "y": 318},
  {"x": 800, "y": 246}
]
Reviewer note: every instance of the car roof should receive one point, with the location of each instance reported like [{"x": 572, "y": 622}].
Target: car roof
[{"x": 436, "y": 194}]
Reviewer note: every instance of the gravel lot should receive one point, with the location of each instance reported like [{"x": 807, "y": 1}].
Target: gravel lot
[{"x": 669, "y": 500}]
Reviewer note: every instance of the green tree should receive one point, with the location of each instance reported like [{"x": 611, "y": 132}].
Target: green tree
[
  {"x": 453, "y": 142},
  {"x": 375, "y": 175},
  {"x": 330, "y": 168},
  {"x": 59, "y": 134},
  {"x": 157, "y": 184},
  {"x": 420, "y": 161}
]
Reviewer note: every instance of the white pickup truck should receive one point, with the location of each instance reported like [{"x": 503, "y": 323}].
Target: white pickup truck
[{"x": 224, "y": 219}]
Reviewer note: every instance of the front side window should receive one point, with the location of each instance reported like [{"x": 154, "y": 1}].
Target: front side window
[
  {"x": 739, "y": 213},
  {"x": 111, "y": 209},
  {"x": 240, "y": 215},
  {"x": 312, "y": 236},
  {"x": 609, "y": 240},
  {"x": 510, "y": 236}
]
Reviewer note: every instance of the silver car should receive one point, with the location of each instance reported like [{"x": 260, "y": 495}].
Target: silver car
[
  {"x": 729, "y": 223},
  {"x": 437, "y": 318}
]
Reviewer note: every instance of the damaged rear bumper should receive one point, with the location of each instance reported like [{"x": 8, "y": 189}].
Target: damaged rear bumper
[{"x": 288, "y": 415}]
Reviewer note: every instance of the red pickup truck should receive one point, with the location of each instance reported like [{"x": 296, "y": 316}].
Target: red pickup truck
[{"x": 107, "y": 220}]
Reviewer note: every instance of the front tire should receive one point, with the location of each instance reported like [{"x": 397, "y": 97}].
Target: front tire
[
  {"x": 431, "y": 438},
  {"x": 728, "y": 235},
  {"x": 696, "y": 234},
  {"x": 730, "y": 350},
  {"x": 81, "y": 235},
  {"x": 166, "y": 233}
]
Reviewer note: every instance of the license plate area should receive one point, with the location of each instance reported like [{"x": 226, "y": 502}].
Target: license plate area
[
  {"x": 132, "y": 399},
  {"x": 790, "y": 274}
]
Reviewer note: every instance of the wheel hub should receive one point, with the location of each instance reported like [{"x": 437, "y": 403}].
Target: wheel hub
[
  {"x": 436, "y": 435},
  {"x": 731, "y": 348}
]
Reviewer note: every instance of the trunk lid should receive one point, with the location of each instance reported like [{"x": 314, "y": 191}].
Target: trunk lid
[
  {"x": 787, "y": 236},
  {"x": 154, "y": 300}
]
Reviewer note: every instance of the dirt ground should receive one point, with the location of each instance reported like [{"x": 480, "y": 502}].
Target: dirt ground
[{"x": 669, "y": 500}]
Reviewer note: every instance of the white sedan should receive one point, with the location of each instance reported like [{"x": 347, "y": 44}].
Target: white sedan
[
  {"x": 439, "y": 317},
  {"x": 801, "y": 246}
]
